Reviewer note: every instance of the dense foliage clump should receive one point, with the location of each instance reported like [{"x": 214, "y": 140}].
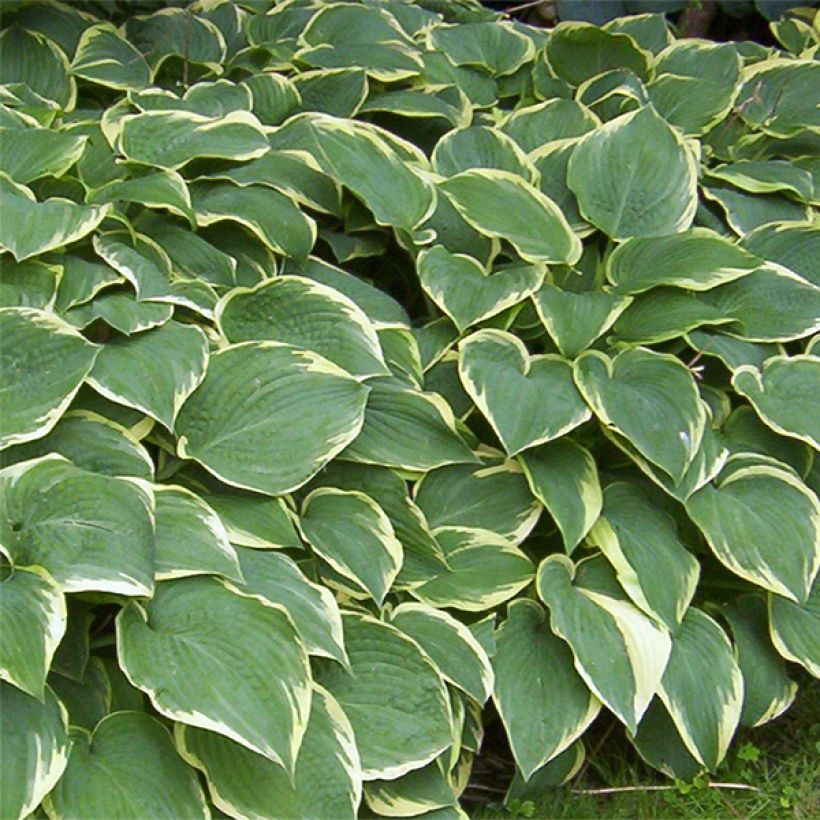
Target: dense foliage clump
[{"x": 377, "y": 373}]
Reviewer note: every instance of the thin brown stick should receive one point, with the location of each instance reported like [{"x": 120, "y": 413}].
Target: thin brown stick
[
  {"x": 621, "y": 789},
  {"x": 524, "y": 6}
]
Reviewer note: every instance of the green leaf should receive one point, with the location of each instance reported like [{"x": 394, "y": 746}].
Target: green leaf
[
  {"x": 659, "y": 743},
  {"x": 105, "y": 57},
  {"x": 493, "y": 497},
  {"x": 30, "y": 227},
  {"x": 161, "y": 189},
  {"x": 575, "y": 320},
  {"x": 268, "y": 214},
  {"x": 767, "y": 689},
  {"x": 180, "y": 647},
  {"x": 29, "y": 284},
  {"x": 651, "y": 399},
  {"x": 771, "y": 304},
  {"x": 34, "y": 752},
  {"x": 641, "y": 542},
  {"x": 190, "y": 537},
  {"x": 88, "y": 699},
  {"x": 528, "y": 400},
  {"x": 543, "y": 702},
  {"x": 461, "y": 288},
  {"x": 580, "y": 51},
  {"x": 351, "y": 532},
  {"x": 702, "y": 688},
  {"x": 126, "y": 369},
  {"x": 634, "y": 176},
  {"x": 89, "y": 531},
  {"x": 277, "y": 579},
  {"x": 326, "y": 783},
  {"x": 347, "y": 34},
  {"x": 34, "y": 620},
  {"x": 43, "y": 364},
  {"x": 451, "y": 646},
  {"x": 619, "y": 652},
  {"x": 492, "y": 47},
  {"x": 478, "y": 146},
  {"x": 537, "y": 125},
  {"x": 422, "y": 792},
  {"x": 795, "y": 629},
  {"x": 38, "y": 152},
  {"x": 745, "y": 212},
  {"x": 484, "y": 570},
  {"x": 784, "y": 395},
  {"x": 299, "y": 411},
  {"x": 303, "y": 313},
  {"x": 563, "y": 476},
  {"x": 171, "y": 139},
  {"x": 522, "y": 215},
  {"x": 120, "y": 310},
  {"x": 428, "y": 435},
  {"x": 393, "y": 695},
  {"x": 792, "y": 245},
  {"x": 697, "y": 259},
  {"x": 765, "y": 177},
  {"x": 82, "y": 280},
  {"x": 37, "y": 62},
  {"x": 135, "y": 752},
  {"x": 763, "y": 524}
]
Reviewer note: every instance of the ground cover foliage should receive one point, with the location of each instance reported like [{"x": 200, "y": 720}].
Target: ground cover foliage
[{"x": 377, "y": 373}]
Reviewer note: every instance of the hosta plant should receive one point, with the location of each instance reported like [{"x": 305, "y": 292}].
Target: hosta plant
[{"x": 374, "y": 373}]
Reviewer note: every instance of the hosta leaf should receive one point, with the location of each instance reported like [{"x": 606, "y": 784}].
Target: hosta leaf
[
  {"x": 171, "y": 139},
  {"x": 210, "y": 99},
  {"x": 30, "y": 227},
  {"x": 651, "y": 399},
  {"x": 270, "y": 215},
  {"x": 528, "y": 400},
  {"x": 543, "y": 702},
  {"x": 428, "y": 436},
  {"x": 251, "y": 520},
  {"x": 190, "y": 537},
  {"x": 133, "y": 750},
  {"x": 794, "y": 246},
  {"x": 89, "y": 531},
  {"x": 619, "y": 652},
  {"x": 490, "y": 47},
  {"x": 34, "y": 620},
  {"x": 422, "y": 792},
  {"x": 561, "y": 769},
  {"x": 460, "y": 658},
  {"x": 702, "y": 687},
  {"x": 104, "y": 56},
  {"x": 35, "y": 749},
  {"x": 522, "y": 215},
  {"x": 734, "y": 353},
  {"x": 277, "y": 579},
  {"x": 634, "y": 176},
  {"x": 29, "y": 284},
  {"x": 745, "y": 212},
  {"x": 339, "y": 92},
  {"x": 641, "y": 542},
  {"x": 579, "y": 51},
  {"x": 484, "y": 570},
  {"x": 697, "y": 259},
  {"x": 326, "y": 783},
  {"x": 771, "y": 304},
  {"x": 273, "y": 97},
  {"x": 393, "y": 695},
  {"x": 82, "y": 280},
  {"x": 38, "y": 153},
  {"x": 536, "y": 125},
  {"x": 34, "y": 60},
  {"x": 351, "y": 532},
  {"x": 493, "y": 497},
  {"x": 795, "y": 629},
  {"x": 296, "y": 411},
  {"x": 763, "y": 524},
  {"x": 480, "y": 147},
  {"x": 461, "y": 288},
  {"x": 121, "y": 310},
  {"x": 88, "y": 699},
  {"x": 43, "y": 364},
  {"x": 576, "y": 320},
  {"x": 564, "y": 478},
  {"x": 766, "y": 176},
  {"x": 160, "y": 189},
  {"x": 190, "y": 624},
  {"x": 303, "y": 313},
  {"x": 126, "y": 369},
  {"x": 346, "y": 34},
  {"x": 659, "y": 743},
  {"x": 767, "y": 689},
  {"x": 784, "y": 395}
]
